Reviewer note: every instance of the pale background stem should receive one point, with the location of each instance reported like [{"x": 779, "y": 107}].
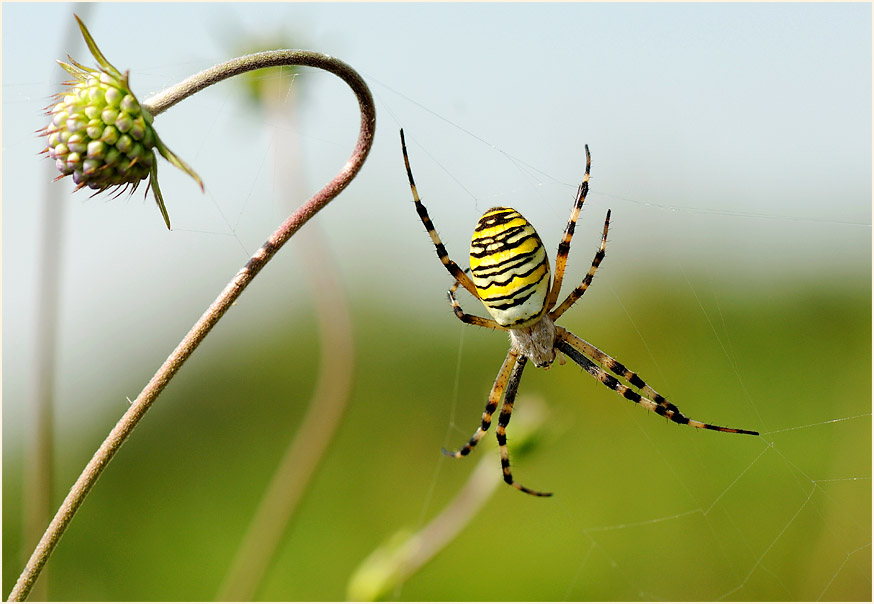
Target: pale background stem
[
  {"x": 333, "y": 386},
  {"x": 306, "y": 451},
  {"x": 39, "y": 462}
]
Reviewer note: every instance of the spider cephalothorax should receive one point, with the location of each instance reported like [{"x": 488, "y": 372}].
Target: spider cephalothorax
[{"x": 510, "y": 274}]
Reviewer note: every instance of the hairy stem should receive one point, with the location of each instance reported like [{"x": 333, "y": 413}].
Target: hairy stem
[{"x": 156, "y": 105}]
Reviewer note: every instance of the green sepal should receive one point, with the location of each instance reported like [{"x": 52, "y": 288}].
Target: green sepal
[
  {"x": 176, "y": 160},
  {"x": 87, "y": 101},
  {"x": 156, "y": 191},
  {"x": 92, "y": 46}
]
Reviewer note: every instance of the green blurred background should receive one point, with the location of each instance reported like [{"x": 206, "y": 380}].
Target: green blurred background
[{"x": 733, "y": 145}]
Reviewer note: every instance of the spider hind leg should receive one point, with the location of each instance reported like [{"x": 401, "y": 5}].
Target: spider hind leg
[
  {"x": 659, "y": 404},
  {"x": 504, "y": 420},
  {"x": 506, "y": 385},
  {"x": 491, "y": 407}
]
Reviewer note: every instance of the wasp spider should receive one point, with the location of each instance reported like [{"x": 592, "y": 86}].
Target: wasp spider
[{"x": 509, "y": 273}]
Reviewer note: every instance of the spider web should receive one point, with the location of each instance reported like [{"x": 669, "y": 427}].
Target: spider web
[
  {"x": 748, "y": 516},
  {"x": 643, "y": 509},
  {"x": 763, "y": 518}
]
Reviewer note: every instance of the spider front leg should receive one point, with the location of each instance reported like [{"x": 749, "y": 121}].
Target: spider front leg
[
  {"x": 564, "y": 247},
  {"x": 587, "y": 280},
  {"x": 491, "y": 406},
  {"x": 663, "y": 408},
  {"x": 504, "y": 420},
  {"x": 451, "y": 266}
]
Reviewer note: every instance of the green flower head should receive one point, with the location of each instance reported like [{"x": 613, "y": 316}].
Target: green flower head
[{"x": 100, "y": 134}]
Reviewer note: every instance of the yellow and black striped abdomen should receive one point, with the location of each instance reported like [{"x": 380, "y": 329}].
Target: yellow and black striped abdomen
[{"x": 509, "y": 267}]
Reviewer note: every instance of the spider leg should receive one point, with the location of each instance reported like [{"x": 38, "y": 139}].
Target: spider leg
[
  {"x": 564, "y": 247},
  {"x": 664, "y": 408},
  {"x": 470, "y": 319},
  {"x": 504, "y": 420},
  {"x": 426, "y": 220},
  {"x": 587, "y": 280},
  {"x": 612, "y": 365},
  {"x": 491, "y": 406}
]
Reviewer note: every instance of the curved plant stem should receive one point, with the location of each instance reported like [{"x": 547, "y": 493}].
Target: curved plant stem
[{"x": 156, "y": 105}]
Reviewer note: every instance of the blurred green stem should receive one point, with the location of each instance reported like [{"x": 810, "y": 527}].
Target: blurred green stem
[
  {"x": 390, "y": 565},
  {"x": 156, "y": 105}
]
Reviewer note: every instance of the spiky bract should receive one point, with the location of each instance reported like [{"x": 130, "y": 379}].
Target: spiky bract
[{"x": 100, "y": 134}]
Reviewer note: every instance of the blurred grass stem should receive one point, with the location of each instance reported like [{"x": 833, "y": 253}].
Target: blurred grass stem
[
  {"x": 156, "y": 105},
  {"x": 390, "y": 565}
]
